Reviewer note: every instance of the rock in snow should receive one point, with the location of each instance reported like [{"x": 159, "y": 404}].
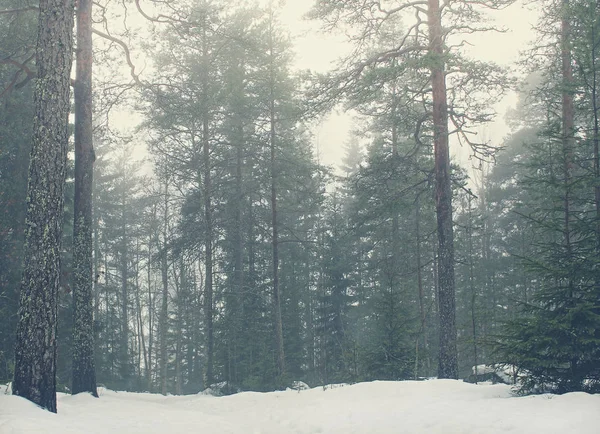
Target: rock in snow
[{"x": 432, "y": 407}]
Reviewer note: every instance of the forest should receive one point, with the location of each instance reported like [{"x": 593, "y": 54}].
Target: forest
[{"x": 168, "y": 226}]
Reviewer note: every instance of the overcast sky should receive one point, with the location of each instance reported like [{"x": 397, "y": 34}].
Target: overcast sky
[{"x": 318, "y": 51}]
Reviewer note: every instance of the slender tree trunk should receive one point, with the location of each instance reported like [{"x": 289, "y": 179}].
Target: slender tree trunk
[
  {"x": 419, "y": 284},
  {"x": 35, "y": 350},
  {"x": 164, "y": 310},
  {"x": 179, "y": 332},
  {"x": 277, "y": 321},
  {"x": 568, "y": 140},
  {"x": 97, "y": 276},
  {"x": 239, "y": 297},
  {"x": 84, "y": 370},
  {"x": 124, "y": 265},
  {"x": 568, "y": 121},
  {"x": 208, "y": 284},
  {"x": 142, "y": 339},
  {"x": 208, "y": 224},
  {"x": 448, "y": 360},
  {"x": 151, "y": 300},
  {"x": 150, "y": 325},
  {"x": 395, "y": 219},
  {"x": 472, "y": 285}
]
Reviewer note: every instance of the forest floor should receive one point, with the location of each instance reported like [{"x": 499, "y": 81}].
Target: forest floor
[{"x": 435, "y": 406}]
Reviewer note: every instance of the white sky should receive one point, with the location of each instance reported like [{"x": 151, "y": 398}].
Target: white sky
[{"x": 318, "y": 51}]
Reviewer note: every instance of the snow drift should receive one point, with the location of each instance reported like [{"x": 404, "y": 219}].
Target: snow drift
[{"x": 437, "y": 406}]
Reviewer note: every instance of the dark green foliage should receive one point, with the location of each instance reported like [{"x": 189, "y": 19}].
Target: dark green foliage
[{"x": 555, "y": 339}]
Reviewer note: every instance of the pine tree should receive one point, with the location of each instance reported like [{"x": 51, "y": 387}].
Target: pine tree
[
  {"x": 35, "y": 361},
  {"x": 84, "y": 371}
]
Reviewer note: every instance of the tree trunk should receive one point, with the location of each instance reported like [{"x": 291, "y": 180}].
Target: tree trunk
[
  {"x": 84, "y": 369},
  {"x": 568, "y": 142},
  {"x": 208, "y": 283},
  {"x": 277, "y": 321},
  {"x": 35, "y": 351},
  {"x": 422, "y": 317},
  {"x": 124, "y": 271},
  {"x": 164, "y": 310},
  {"x": 239, "y": 297},
  {"x": 568, "y": 122},
  {"x": 472, "y": 287},
  {"x": 151, "y": 300},
  {"x": 208, "y": 229},
  {"x": 448, "y": 361}
]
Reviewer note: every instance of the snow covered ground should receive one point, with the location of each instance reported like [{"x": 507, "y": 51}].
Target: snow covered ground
[{"x": 437, "y": 406}]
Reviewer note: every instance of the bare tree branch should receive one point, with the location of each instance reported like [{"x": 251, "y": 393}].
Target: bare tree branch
[
  {"x": 125, "y": 50},
  {"x": 16, "y": 11}
]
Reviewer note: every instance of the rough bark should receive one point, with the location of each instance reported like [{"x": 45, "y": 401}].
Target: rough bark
[
  {"x": 448, "y": 361},
  {"x": 35, "y": 352},
  {"x": 84, "y": 370}
]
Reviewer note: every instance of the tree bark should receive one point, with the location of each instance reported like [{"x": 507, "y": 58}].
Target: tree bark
[
  {"x": 448, "y": 361},
  {"x": 84, "y": 369},
  {"x": 35, "y": 352}
]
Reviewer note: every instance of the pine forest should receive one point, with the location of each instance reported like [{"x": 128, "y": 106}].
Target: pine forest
[{"x": 168, "y": 224}]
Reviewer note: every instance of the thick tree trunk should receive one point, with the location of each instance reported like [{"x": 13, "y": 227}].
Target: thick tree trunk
[
  {"x": 84, "y": 370},
  {"x": 448, "y": 361},
  {"x": 35, "y": 352}
]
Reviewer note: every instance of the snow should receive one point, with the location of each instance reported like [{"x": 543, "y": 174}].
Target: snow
[
  {"x": 505, "y": 372},
  {"x": 437, "y": 406}
]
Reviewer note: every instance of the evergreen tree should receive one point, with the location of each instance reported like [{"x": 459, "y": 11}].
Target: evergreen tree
[
  {"x": 84, "y": 371},
  {"x": 35, "y": 362}
]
